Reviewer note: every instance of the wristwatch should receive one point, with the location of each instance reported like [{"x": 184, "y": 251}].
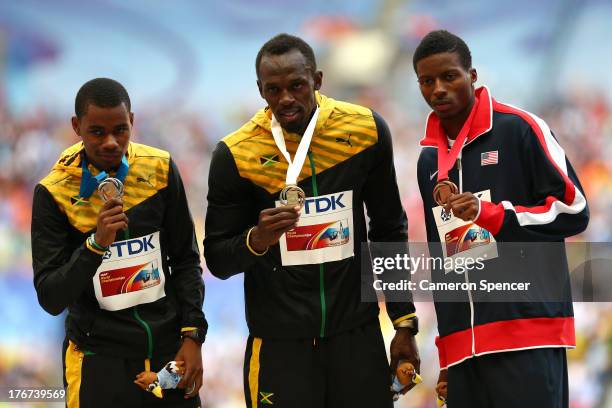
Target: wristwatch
[
  {"x": 197, "y": 335},
  {"x": 411, "y": 324}
]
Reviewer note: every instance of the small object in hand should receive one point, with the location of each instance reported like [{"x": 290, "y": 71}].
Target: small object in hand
[
  {"x": 443, "y": 190},
  {"x": 292, "y": 195},
  {"x": 405, "y": 374},
  {"x": 442, "y": 392},
  {"x": 110, "y": 188},
  {"x": 167, "y": 378}
]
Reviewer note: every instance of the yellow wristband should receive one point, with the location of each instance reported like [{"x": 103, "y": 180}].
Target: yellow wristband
[
  {"x": 406, "y": 317},
  {"x": 254, "y": 252},
  {"x": 186, "y": 329}
]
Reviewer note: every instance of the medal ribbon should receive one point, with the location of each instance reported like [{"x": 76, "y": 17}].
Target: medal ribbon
[
  {"x": 89, "y": 183},
  {"x": 295, "y": 166},
  {"x": 446, "y": 158}
]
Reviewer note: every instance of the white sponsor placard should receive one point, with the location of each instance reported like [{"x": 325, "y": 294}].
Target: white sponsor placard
[
  {"x": 464, "y": 239},
  {"x": 324, "y": 232},
  {"x": 131, "y": 273}
]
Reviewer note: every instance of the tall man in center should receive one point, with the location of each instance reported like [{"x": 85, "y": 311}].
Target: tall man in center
[{"x": 286, "y": 207}]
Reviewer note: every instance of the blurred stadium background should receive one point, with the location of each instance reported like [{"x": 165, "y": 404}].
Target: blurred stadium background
[{"x": 189, "y": 68}]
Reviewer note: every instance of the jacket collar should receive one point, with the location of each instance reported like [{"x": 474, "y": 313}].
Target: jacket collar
[
  {"x": 71, "y": 159},
  {"x": 481, "y": 124},
  {"x": 263, "y": 117}
]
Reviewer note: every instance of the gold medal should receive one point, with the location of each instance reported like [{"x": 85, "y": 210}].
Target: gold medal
[
  {"x": 443, "y": 190},
  {"x": 292, "y": 195}
]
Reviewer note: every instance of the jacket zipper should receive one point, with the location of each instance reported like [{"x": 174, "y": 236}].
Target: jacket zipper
[
  {"x": 467, "y": 279},
  {"x": 315, "y": 193},
  {"x": 147, "y": 328}
]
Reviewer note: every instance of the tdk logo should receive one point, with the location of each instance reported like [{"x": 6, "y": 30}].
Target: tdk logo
[
  {"x": 131, "y": 247},
  {"x": 317, "y": 205}
]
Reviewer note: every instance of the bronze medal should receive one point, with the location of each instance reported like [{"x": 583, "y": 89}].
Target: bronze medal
[
  {"x": 292, "y": 195},
  {"x": 443, "y": 190}
]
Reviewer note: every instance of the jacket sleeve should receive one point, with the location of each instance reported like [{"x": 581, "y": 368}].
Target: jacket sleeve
[
  {"x": 60, "y": 274},
  {"x": 388, "y": 221},
  {"x": 183, "y": 253},
  {"x": 229, "y": 216},
  {"x": 558, "y": 207}
]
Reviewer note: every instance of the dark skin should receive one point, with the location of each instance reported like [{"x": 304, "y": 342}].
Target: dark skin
[
  {"x": 442, "y": 384},
  {"x": 288, "y": 83},
  {"x": 403, "y": 347},
  {"x": 448, "y": 88},
  {"x": 106, "y": 134},
  {"x": 191, "y": 353}
]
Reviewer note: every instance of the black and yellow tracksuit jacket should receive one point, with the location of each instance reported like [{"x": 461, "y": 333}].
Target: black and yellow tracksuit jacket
[
  {"x": 350, "y": 150},
  {"x": 65, "y": 269}
]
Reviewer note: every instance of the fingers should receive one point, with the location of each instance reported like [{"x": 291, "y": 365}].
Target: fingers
[
  {"x": 180, "y": 367},
  {"x": 194, "y": 390},
  {"x": 113, "y": 202},
  {"x": 464, "y": 206},
  {"x": 272, "y": 224},
  {"x": 281, "y": 209}
]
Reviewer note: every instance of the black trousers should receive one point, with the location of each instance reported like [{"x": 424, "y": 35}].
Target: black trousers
[
  {"x": 346, "y": 370},
  {"x": 95, "y": 381},
  {"x": 518, "y": 379}
]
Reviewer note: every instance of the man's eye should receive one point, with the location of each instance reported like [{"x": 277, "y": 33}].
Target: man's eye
[{"x": 97, "y": 132}]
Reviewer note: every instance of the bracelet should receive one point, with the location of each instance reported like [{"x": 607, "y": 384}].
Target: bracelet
[
  {"x": 92, "y": 245},
  {"x": 92, "y": 249},
  {"x": 254, "y": 252},
  {"x": 411, "y": 324},
  {"x": 405, "y": 317}
]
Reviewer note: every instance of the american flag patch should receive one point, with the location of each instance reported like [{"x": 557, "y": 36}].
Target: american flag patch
[{"x": 487, "y": 158}]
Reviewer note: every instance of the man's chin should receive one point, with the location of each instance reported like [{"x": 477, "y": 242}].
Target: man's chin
[{"x": 292, "y": 127}]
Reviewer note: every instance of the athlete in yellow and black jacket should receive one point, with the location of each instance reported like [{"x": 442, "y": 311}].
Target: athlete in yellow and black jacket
[
  {"x": 129, "y": 302},
  {"x": 313, "y": 342}
]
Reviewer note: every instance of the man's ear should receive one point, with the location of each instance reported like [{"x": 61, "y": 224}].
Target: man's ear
[
  {"x": 132, "y": 118},
  {"x": 473, "y": 75},
  {"x": 318, "y": 80},
  {"x": 76, "y": 125}
]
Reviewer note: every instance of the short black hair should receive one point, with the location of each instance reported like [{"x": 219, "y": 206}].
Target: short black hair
[
  {"x": 102, "y": 92},
  {"x": 437, "y": 42},
  {"x": 283, "y": 43}
]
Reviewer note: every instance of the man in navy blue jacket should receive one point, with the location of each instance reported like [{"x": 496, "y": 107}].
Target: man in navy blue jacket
[{"x": 499, "y": 173}]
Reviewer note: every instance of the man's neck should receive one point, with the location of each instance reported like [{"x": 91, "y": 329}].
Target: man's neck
[{"x": 452, "y": 126}]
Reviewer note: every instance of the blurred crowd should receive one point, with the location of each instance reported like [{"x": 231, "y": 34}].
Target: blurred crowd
[{"x": 31, "y": 141}]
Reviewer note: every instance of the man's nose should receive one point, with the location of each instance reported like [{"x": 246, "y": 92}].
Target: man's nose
[
  {"x": 286, "y": 98},
  {"x": 110, "y": 142},
  {"x": 439, "y": 88}
]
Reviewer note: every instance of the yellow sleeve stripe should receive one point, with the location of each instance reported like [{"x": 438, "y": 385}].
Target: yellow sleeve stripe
[
  {"x": 406, "y": 317},
  {"x": 186, "y": 329}
]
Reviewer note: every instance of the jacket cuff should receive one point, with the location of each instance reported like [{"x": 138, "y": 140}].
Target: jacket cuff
[{"x": 490, "y": 216}]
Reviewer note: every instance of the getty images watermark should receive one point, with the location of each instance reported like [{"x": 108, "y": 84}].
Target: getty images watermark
[{"x": 505, "y": 272}]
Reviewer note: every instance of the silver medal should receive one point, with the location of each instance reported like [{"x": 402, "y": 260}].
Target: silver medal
[{"x": 110, "y": 188}]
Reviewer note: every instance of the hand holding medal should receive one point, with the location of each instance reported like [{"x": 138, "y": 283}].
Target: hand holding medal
[
  {"x": 111, "y": 218},
  {"x": 274, "y": 222}
]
